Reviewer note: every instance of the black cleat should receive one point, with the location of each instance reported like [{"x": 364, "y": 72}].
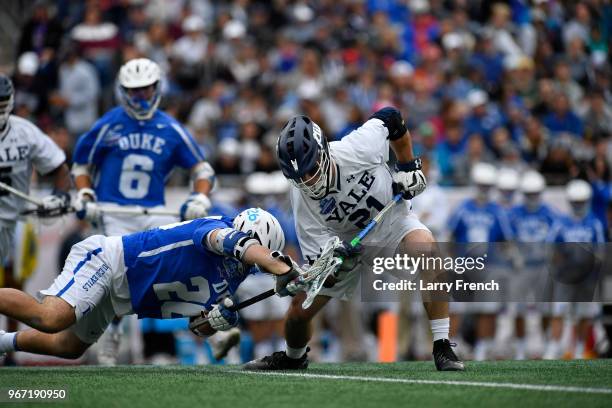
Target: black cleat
[
  {"x": 278, "y": 361},
  {"x": 445, "y": 357}
]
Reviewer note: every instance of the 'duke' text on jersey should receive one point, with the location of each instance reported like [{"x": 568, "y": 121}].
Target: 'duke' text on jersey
[
  {"x": 144, "y": 141},
  {"x": 14, "y": 153}
]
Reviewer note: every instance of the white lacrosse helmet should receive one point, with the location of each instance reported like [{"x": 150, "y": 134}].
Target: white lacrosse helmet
[
  {"x": 263, "y": 226},
  {"x": 483, "y": 174},
  {"x": 507, "y": 179},
  {"x": 134, "y": 74},
  {"x": 578, "y": 191},
  {"x": 532, "y": 182}
]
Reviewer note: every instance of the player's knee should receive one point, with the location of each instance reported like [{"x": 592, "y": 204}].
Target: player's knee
[
  {"x": 53, "y": 322},
  {"x": 297, "y": 314},
  {"x": 420, "y": 242}
]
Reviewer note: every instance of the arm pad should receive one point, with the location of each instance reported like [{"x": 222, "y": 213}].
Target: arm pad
[
  {"x": 392, "y": 118},
  {"x": 230, "y": 242},
  {"x": 79, "y": 170},
  {"x": 203, "y": 171}
]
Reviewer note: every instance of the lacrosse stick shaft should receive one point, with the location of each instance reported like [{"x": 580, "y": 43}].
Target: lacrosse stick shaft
[
  {"x": 20, "y": 194},
  {"x": 375, "y": 221},
  {"x": 254, "y": 299},
  {"x": 241, "y": 305},
  {"x": 137, "y": 211}
]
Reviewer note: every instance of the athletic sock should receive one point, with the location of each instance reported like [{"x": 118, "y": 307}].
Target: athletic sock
[
  {"x": 520, "y": 349},
  {"x": 440, "y": 328},
  {"x": 579, "y": 350},
  {"x": 295, "y": 353},
  {"x": 482, "y": 348},
  {"x": 7, "y": 342}
]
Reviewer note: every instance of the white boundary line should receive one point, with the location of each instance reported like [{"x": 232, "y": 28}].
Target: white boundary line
[{"x": 528, "y": 387}]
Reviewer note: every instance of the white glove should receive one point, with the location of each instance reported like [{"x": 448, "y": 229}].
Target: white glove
[
  {"x": 85, "y": 206},
  {"x": 196, "y": 206},
  {"x": 221, "y": 318},
  {"x": 55, "y": 202},
  {"x": 409, "y": 179}
]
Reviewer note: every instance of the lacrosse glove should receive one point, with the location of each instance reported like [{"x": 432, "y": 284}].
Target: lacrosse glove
[{"x": 222, "y": 317}]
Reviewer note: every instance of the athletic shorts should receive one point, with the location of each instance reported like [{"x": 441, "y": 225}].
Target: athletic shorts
[
  {"x": 123, "y": 224},
  {"x": 93, "y": 281},
  {"x": 383, "y": 241}
]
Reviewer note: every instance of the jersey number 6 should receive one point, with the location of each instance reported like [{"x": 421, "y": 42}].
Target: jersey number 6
[{"x": 135, "y": 179}]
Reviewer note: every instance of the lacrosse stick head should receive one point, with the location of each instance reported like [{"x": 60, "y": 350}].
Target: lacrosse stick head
[{"x": 323, "y": 267}]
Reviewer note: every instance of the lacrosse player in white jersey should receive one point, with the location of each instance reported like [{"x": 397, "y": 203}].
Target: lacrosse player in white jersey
[
  {"x": 337, "y": 188},
  {"x": 23, "y": 146}
]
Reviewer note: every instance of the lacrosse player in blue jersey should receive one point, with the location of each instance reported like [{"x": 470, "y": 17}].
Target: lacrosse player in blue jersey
[
  {"x": 480, "y": 219},
  {"x": 581, "y": 225},
  {"x": 173, "y": 271},
  {"x": 125, "y": 159},
  {"x": 531, "y": 222}
]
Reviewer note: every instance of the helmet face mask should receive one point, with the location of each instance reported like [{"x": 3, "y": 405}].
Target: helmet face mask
[
  {"x": 532, "y": 200},
  {"x": 304, "y": 157},
  {"x": 317, "y": 185},
  {"x": 139, "y": 88},
  {"x": 579, "y": 208},
  {"x": 7, "y": 99}
]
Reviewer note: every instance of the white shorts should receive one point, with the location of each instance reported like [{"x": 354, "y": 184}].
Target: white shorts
[
  {"x": 272, "y": 308},
  {"x": 579, "y": 310},
  {"x": 93, "y": 281},
  {"x": 123, "y": 224},
  {"x": 383, "y": 241}
]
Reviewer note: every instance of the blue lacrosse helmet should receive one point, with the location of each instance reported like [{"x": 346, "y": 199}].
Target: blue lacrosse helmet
[
  {"x": 7, "y": 97},
  {"x": 303, "y": 155}
]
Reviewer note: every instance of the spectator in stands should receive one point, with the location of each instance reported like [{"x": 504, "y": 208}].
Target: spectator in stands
[{"x": 79, "y": 89}]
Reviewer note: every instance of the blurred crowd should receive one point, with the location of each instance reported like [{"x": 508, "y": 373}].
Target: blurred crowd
[{"x": 525, "y": 83}]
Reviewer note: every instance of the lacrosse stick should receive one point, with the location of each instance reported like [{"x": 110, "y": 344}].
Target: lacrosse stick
[
  {"x": 110, "y": 210},
  {"x": 21, "y": 194},
  {"x": 328, "y": 263},
  {"x": 316, "y": 275}
]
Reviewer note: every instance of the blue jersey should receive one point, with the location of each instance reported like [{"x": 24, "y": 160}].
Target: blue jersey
[
  {"x": 532, "y": 227},
  {"x": 472, "y": 222},
  {"x": 570, "y": 229},
  {"x": 132, "y": 159},
  {"x": 172, "y": 274}
]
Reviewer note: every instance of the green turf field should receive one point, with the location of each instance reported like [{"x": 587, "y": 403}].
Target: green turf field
[{"x": 582, "y": 384}]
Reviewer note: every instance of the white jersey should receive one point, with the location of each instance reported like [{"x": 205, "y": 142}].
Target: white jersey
[
  {"x": 23, "y": 147},
  {"x": 363, "y": 186}
]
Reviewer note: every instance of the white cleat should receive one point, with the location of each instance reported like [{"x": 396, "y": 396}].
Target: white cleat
[
  {"x": 109, "y": 349},
  {"x": 222, "y": 342}
]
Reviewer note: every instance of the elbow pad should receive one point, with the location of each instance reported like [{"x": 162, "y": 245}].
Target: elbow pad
[
  {"x": 393, "y": 121},
  {"x": 203, "y": 171},
  {"x": 231, "y": 242}
]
